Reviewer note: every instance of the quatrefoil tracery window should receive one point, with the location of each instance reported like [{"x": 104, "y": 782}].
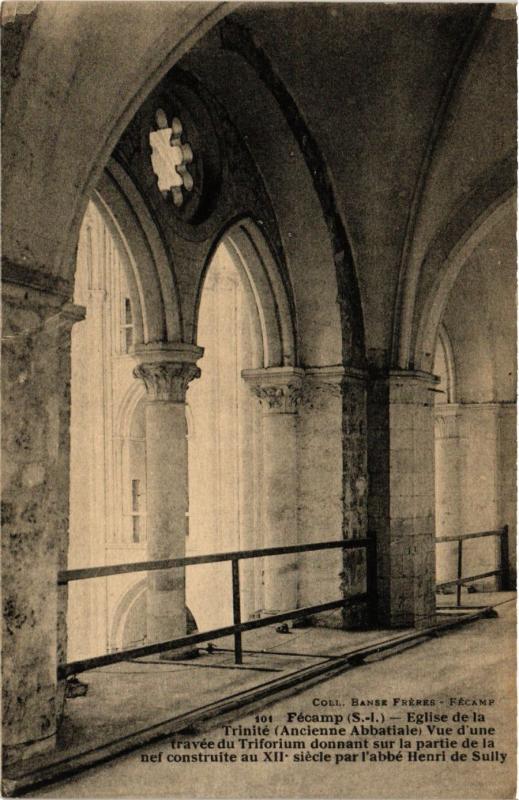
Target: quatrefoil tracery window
[{"x": 170, "y": 158}]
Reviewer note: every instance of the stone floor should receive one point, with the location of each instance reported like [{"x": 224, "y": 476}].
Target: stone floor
[
  {"x": 132, "y": 696},
  {"x": 476, "y": 661}
]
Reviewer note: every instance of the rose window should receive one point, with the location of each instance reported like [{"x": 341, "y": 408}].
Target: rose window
[{"x": 170, "y": 158}]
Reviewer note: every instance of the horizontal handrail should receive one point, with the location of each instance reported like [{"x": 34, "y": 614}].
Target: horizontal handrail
[
  {"x": 479, "y": 535},
  {"x": 504, "y": 569},
  {"x": 65, "y": 576},
  {"x": 469, "y": 578},
  {"x": 73, "y": 668}
]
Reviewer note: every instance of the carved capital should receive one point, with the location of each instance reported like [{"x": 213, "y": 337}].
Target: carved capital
[
  {"x": 278, "y": 389},
  {"x": 280, "y": 399},
  {"x": 166, "y": 368},
  {"x": 167, "y": 380},
  {"x": 446, "y": 419}
]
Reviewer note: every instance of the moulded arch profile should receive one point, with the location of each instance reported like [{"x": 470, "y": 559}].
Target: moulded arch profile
[
  {"x": 320, "y": 273},
  {"x": 141, "y": 74},
  {"x": 436, "y": 302},
  {"x": 268, "y": 298},
  {"x": 443, "y": 341},
  {"x": 129, "y": 403},
  {"x": 151, "y": 283},
  {"x": 122, "y": 611}
]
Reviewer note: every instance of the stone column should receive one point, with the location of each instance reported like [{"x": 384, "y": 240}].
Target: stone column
[
  {"x": 479, "y": 480},
  {"x": 35, "y": 507},
  {"x": 279, "y": 391},
  {"x": 401, "y": 498},
  {"x": 166, "y": 371},
  {"x": 321, "y": 489},
  {"x": 448, "y": 451}
]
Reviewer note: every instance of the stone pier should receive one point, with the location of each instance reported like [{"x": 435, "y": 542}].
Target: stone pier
[
  {"x": 401, "y": 499},
  {"x": 35, "y": 507}
]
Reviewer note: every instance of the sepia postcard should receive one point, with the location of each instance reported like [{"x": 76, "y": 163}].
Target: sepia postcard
[{"x": 259, "y": 399}]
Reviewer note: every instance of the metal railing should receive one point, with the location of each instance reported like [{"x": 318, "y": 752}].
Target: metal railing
[
  {"x": 238, "y": 627},
  {"x": 504, "y": 567}
]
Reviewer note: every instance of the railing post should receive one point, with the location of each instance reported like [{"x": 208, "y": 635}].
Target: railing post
[
  {"x": 460, "y": 571},
  {"x": 371, "y": 579},
  {"x": 504, "y": 565},
  {"x": 236, "y": 609}
]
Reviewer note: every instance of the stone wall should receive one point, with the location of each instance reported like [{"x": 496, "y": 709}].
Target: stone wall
[
  {"x": 35, "y": 472},
  {"x": 355, "y": 492},
  {"x": 475, "y": 485}
]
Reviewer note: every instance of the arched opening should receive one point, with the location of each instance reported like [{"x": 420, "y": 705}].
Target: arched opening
[
  {"x": 244, "y": 322},
  {"x": 108, "y": 440},
  {"x": 474, "y": 429},
  {"x": 224, "y": 441}
]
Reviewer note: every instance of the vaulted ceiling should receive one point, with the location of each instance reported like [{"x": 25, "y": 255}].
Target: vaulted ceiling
[
  {"x": 411, "y": 108},
  {"x": 407, "y": 110}
]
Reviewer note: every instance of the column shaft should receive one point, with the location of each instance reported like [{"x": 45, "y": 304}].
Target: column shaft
[
  {"x": 167, "y": 504},
  {"x": 448, "y": 447},
  {"x": 480, "y": 486},
  {"x": 280, "y": 509},
  {"x": 279, "y": 391},
  {"x": 332, "y": 488},
  {"x": 401, "y": 500},
  {"x": 166, "y": 371}
]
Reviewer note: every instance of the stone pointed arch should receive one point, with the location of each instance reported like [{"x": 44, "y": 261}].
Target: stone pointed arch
[
  {"x": 410, "y": 264},
  {"x": 318, "y": 256},
  {"x": 449, "y": 268},
  {"x": 150, "y": 276},
  {"x": 269, "y": 299}
]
